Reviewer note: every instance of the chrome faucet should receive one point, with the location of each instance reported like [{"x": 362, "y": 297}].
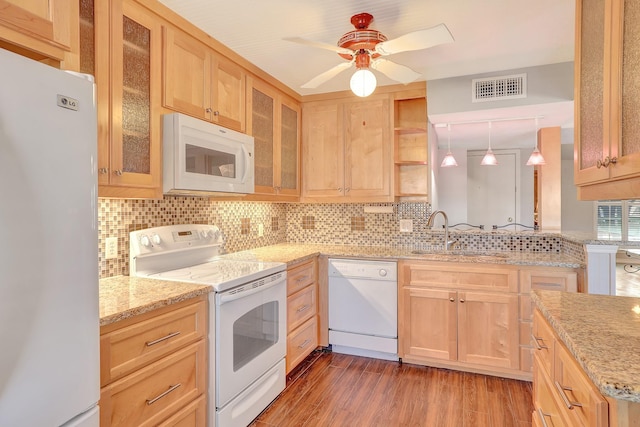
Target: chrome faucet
[{"x": 447, "y": 242}]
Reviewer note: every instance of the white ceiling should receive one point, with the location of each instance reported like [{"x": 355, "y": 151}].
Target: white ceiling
[{"x": 489, "y": 36}]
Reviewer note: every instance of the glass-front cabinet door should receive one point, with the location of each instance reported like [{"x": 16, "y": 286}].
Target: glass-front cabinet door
[
  {"x": 274, "y": 123},
  {"x": 626, "y": 89},
  {"x": 120, "y": 46}
]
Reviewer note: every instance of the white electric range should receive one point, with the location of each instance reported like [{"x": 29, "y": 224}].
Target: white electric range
[{"x": 247, "y": 333}]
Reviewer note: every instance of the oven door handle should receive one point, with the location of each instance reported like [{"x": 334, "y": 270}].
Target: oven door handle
[{"x": 233, "y": 294}]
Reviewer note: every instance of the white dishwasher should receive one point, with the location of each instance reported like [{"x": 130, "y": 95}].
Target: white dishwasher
[{"x": 363, "y": 308}]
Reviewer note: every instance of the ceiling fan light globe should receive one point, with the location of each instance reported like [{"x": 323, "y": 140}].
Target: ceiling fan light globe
[{"x": 363, "y": 82}]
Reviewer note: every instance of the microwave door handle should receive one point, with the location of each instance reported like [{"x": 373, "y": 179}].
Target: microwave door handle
[{"x": 246, "y": 163}]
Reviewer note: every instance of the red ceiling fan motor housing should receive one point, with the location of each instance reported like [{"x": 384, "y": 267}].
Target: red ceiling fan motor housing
[{"x": 361, "y": 39}]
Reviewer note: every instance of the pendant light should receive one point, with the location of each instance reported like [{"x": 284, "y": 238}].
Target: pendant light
[
  {"x": 448, "y": 160},
  {"x": 536, "y": 158},
  {"x": 489, "y": 158}
]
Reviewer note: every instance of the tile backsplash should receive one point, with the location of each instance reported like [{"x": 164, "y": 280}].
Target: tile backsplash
[{"x": 322, "y": 223}]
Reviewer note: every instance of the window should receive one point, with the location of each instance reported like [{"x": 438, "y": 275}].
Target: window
[{"x": 618, "y": 220}]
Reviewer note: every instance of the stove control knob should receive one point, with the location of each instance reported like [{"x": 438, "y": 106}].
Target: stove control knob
[
  {"x": 382, "y": 272},
  {"x": 204, "y": 234},
  {"x": 156, "y": 239},
  {"x": 214, "y": 233},
  {"x": 144, "y": 241}
]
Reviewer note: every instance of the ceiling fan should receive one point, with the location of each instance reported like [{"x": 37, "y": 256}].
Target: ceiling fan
[{"x": 365, "y": 48}]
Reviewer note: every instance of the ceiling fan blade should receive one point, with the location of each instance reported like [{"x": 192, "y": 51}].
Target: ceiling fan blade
[
  {"x": 394, "y": 71},
  {"x": 327, "y": 75},
  {"x": 416, "y": 40},
  {"x": 319, "y": 45}
]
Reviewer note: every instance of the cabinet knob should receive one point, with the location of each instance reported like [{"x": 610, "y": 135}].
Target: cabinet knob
[
  {"x": 118, "y": 172},
  {"x": 461, "y": 300},
  {"x": 452, "y": 299},
  {"x": 103, "y": 170},
  {"x": 207, "y": 110},
  {"x": 339, "y": 189},
  {"x": 216, "y": 113},
  {"x": 347, "y": 189}
]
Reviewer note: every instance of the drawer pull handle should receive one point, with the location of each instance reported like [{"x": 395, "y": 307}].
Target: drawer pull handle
[
  {"x": 303, "y": 308},
  {"x": 301, "y": 279},
  {"x": 542, "y": 417},
  {"x": 536, "y": 342},
  {"x": 305, "y": 343},
  {"x": 154, "y": 342},
  {"x": 161, "y": 395},
  {"x": 569, "y": 404}
]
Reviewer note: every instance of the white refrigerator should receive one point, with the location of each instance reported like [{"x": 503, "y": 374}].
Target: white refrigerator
[{"x": 49, "y": 321}]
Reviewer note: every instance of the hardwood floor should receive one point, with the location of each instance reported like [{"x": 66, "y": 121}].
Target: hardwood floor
[{"x": 340, "y": 390}]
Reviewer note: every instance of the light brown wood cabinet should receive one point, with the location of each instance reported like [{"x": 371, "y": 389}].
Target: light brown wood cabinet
[
  {"x": 346, "y": 150},
  {"x": 153, "y": 367},
  {"x": 461, "y": 316},
  {"x": 201, "y": 83},
  {"x": 273, "y": 119},
  {"x": 545, "y": 278},
  {"x": 121, "y": 46},
  {"x": 562, "y": 392},
  {"x": 40, "y": 29},
  {"x": 607, "y": 99},
  {"x": 411, "y": 154},
  {"x": 302, "y": 312}
]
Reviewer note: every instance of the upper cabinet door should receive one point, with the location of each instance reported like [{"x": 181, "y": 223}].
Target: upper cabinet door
[
  {"x": 261, "y": 125},
  {"x": 625, "y": 89},
  {"x": 289, "y": 162},
  {"x": 187, "y": 74},
  {"x": 135, "y": 97},
  {"x": 228, "y": 96},
  {"x": 367, "y": 148},
  {"x": 200, "y": 83},
  {"x": 44, "y": 26},
  {"x": 591, "y": 103}
]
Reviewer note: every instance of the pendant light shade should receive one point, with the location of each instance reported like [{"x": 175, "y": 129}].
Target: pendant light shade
[
  {"x": 489, "y": 158},
  {"x": 363, "y": 82},
  {"x": 449, "y": 160},
  {"x": 536, "y": 158}
]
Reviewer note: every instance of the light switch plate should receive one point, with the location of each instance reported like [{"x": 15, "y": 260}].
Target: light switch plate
[
  {"x": 406, "y": 225},
  {"x": 111, "y": 248}
]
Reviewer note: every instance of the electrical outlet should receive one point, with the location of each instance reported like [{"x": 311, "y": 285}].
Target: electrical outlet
[
  {"x": 111, "y": 248},
  {"x": 406, "y": 225},
  {"x": 260, "y": 230}
]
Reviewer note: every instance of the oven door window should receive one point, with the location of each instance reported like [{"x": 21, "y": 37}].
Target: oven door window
[
  {"x": 254, "y": 333},
  {"x": 207, "y": 161}
]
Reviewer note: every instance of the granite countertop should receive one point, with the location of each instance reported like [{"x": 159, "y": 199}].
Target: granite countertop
[
  {"x": 603, "y": 334},
  {"x": 291, "y": 253},
  {"x": 122, "y": 297}
]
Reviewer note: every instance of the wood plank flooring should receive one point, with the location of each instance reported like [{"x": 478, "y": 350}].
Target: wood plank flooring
[{"x": 340, "y": 390}]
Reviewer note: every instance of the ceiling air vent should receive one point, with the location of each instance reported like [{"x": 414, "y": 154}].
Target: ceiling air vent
[{"x": 499, "y": 88}]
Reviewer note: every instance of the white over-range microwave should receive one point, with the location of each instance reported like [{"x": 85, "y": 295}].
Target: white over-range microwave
[{"x": 200, "y": 157}]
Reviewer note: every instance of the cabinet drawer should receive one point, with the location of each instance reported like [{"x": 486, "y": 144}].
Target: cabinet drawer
[
  {"x": 300, "y": 307},
  {"x": 192, "y": 415},
  {"x": 543, "y": 340},
  {"x": 583, "y": 403},
  {"x": 546, "y": 410},
  {"x": 461, "y": 276},
  {"x": 301, "y": 343},
  {"x": 300, "y": 276},
  {"x": 157, "y": 391},
  {"x": 124, "y": 350}
]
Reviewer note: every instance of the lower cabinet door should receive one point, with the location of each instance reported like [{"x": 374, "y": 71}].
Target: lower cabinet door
[{"x": 488, "y": 329}]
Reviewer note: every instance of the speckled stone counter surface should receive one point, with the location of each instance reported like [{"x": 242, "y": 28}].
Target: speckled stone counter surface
[
  {"x": 122, "y": 297},
  {"x": 290, "y": 253},
  {"x": 603, "y": 334}
]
